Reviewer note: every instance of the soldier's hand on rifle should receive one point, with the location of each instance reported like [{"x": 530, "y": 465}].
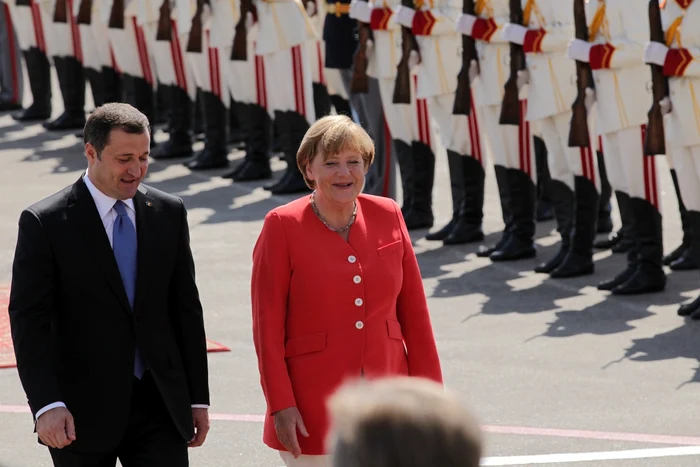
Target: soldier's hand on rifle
[
  {"x": 311, "y": 8},
  {"x": 413, "y": 59},
  {"x": 590, "y": 99},
  {"x": 579, "y": 50},
  {"x": 665, "y": 105},
  {"x": 369, "y": 47},
  {"x": 465, "y": 24},
  {"x": 655, "y": 53},
  {"x": 514, "y": 33},
  {"x": 473, "y": 70},
  {"x": 249, "y": 20},
  {"x": 523, "y": 78}
]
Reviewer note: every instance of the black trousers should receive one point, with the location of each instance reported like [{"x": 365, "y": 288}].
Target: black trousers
[{"x": 150, "y": 440}]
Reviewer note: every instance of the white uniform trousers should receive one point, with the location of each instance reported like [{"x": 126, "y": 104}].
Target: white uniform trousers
[
  {"x": 172, "y": 69},
  {"x": 686, "y": 161},
  {"x": 458, "y": 133},
  {"x": 30, "y": 25},
  {"x": 564, "y": 162},
  {"x": 334, "y": 83},
  {"x": 288, "y": 82},
  {"x": 510, "y": 146},
  {"x": 131, "y": 49},
  {"x": 95, "y": 43},
  {"x": 246, "y": 79},
  {"x": 209, "y": 74},
  {"x": 65, "y": 37},
  {"x": 11, "y": 76},
  {"x": 305, "y": 460},
  {"x": 629, "y": 170},
  {"x": 406, "y": 122}
]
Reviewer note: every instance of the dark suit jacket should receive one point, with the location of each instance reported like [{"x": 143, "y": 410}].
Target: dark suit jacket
[
  {"x": 340, "y": 36},
  {"x": 73, "y": 330}
]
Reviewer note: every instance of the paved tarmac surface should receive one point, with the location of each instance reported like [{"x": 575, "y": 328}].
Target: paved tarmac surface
[{"x": 552, "y": 367}]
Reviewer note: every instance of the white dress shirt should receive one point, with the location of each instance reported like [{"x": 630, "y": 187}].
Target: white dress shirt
[{"x": 105, "y": 207}]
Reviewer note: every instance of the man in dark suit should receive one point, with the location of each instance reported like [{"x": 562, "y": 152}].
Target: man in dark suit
[{"x": 106, "y": 318}]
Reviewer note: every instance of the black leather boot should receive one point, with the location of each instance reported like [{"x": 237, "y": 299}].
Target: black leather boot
[
  {"x": 692, "y": 309},
  {"x": 322, "y": 101},
  {"x": 504, "y": 195},
  {"x": 215, "y": 152},
  {"x": 564, "y": 205},
  {"x": 629, "y": 224},
  {"x": 97, "y": 85},
  {"x": 71, "y": 78},
  {"x": 256, "y": 164},
  {"x": 620, "y": 241},
  {"x": 342, "y": 106},
  {"x": 649, "y": 275},
  {"x": 180, "y": 126},
  {"x": 605, "y": 223},
  {"x": 680, "y": 259},
  {"x": 579, "y": 259},
  {"x": 455, "y": 164},
  {"x": 39, "y": 71},
  {"x": 407, "y": 169},
  {"x": 236, "y": 128},
  {"x": 544, "y": 208},
  {"x": 519, "y": 242},
  {"x": 143, "y": 97},
  {"x": 113, "y": 85},
  {"x": 470, "y": 216},
  {"x": 420, "y": 216},
  {"x": 291, "y": 136}
]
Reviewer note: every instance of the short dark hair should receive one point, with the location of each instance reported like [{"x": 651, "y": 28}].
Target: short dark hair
[{"x": 113, "y": 116}]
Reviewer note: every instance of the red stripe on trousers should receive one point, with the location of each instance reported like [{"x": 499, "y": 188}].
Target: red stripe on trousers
[
  {"x": 528, "y": 142},
  {"x": 321, "y": 77},
  {"x": 13, "y": 56},
  {"x": 75, "y": 31},
  {"x": 647, "y": 177},
  {"x": 298, "y": 80},
  {"x": 258, "y": 80},
  {"x": 426, "y": 121},
  {"x": 177, "y": 57},
  {"x": 387, "y": 159},
  {"x": 212, "y": 68},
  {"x": 521, "y": 138},
  {"x": 144, "y": 57},
  {"x": 113, "y": 59},
  {"x": 476, "y": 142},
  {"x": 600, "y": 143},
  {"x": 38, "y": 27}
]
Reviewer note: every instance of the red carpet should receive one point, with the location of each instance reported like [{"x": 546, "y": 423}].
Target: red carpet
[{"x": 7, "y": 354}]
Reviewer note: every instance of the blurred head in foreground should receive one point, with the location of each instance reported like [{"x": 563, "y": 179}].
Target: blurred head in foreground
[{"x": 401, "y": 422}]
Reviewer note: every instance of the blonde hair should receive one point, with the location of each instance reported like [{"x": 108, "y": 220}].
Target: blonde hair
[
  {"x": 330, "y": 136},
  {"x": 404, "y": 422}
]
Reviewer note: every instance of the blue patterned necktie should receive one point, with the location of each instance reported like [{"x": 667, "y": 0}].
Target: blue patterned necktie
[{"x": 125, "y": 252}]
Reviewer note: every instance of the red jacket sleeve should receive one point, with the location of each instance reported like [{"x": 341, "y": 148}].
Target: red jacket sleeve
[
  {"x": 269, "y": 288},
  {"x": 413, "y": 314}
]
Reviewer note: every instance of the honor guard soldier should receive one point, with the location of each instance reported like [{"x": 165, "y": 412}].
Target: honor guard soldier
[
  {"x": 677, "y": 56},
  {"x": 408, "y": 119},
  {"x": 283, "y": 46},
  {"x": 168, "y": 23},
  {"x": 30, "y": 19},
  {"x": 617, "y": 35},
  {"x": 551, "y": 90},
  {"x": 433, "y": 24},
  {"x": 511, "y": 145}
]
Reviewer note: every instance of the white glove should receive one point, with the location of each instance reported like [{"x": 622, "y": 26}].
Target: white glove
[
  {"x": 413, "y": 59},
  {"x": 249, "y": 20},
  {"x": 523, "y": 78},
  {"x": 370, "y": 47},
  {"x": 514, "y": 33},
  {"x": 311, "y": 8},
  {"x": 404, "y": 16},
  {"x": 655, "y": 52},
  {"x": 590, "y": 99},
  {"x": 579, "y": 50},
  {"x": 473, "y": 70},
  {"x": 465, "y": 24},
  {"x": 665, "y": 105},
  {"x": 361, "y": 11}
]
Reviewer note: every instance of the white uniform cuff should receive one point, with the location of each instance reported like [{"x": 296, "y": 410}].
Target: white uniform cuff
[
  {"x": 404, "y": 16},
  {"x": 361, "y": 11}
]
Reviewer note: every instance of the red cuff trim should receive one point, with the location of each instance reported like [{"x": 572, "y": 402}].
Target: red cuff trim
[
  {"x": 484, "y": 29},
  {"x": 423, "y": 23},
  {"x": 533, "y": 40},
  {"x": 601, "y": 56},
  {"x": 677, "y": 60},
  {"x": 380, "y": 18}
]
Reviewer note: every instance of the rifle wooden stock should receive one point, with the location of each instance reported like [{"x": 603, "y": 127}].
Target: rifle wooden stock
[
  {"x": 60, "y": 13},
  {"x": 359, "y": 82},
  {"x": 194, "y": 40},
  {"x": 402, "y": 85},
  {"x": 510, "y": 107},
  {"x": 239, "y": 50},
  {"x": 579, "y": 136},
  {"x": 164, "y": 25},
  {"x": 85, "y": 12},
  {"x": 463, "y": 95},
  {"x": 655, "y": 140},
  {"x": 116, "y": 17}
]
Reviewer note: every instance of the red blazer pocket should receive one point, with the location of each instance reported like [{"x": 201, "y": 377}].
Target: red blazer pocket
[
  {"x": 393, "y": 247},
  {"x": 305, "y": 344},
  {"x": 394, "y": 329}
]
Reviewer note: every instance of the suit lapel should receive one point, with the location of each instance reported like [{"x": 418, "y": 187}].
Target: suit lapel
[
  {"x": 82, "y": 213},
  {"x": 145, "y": 218}
]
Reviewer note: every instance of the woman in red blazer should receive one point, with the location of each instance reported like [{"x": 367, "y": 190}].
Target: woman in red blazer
[{"x": 336, "y": 293}]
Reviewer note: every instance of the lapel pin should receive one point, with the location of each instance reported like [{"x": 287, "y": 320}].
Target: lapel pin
[{"x": 149, "y": 204}]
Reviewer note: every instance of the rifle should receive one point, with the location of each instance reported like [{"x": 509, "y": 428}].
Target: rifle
[
  {"x": 60, "y": 13},
  {"x": 239, "y": 51},
  {"x": 655, "y": 140},
  {"x": 463, "y": 95},
  {"x": 85, "y": 12},
  {"x": 510, "y": 108},
  {"x": 402, "y": 86},
  {"x": 578, "y": 130},
  {"x": 360, "y": 82},
  {"x": 164, "y": 25},
  {"x": 116, "y": 17},
  {"x": 194, "y": 41}
]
